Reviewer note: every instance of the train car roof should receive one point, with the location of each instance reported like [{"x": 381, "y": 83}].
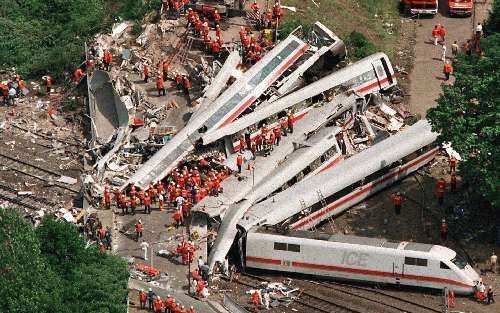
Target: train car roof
[
  {"x": 349, "y": 239},
  {"x": 289, "y": 202}
]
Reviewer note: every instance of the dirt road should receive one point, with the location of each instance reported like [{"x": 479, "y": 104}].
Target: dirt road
[{"x": 426, "y": 77}]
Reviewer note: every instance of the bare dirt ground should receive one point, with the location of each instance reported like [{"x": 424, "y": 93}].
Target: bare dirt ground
[{"x": 427, "y": 75}]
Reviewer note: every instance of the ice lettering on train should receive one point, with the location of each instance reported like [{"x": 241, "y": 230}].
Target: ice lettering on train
[{"x": 355, "y": 258}]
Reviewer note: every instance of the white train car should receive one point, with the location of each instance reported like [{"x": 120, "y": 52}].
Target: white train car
[{"x": 360, "y": 259}]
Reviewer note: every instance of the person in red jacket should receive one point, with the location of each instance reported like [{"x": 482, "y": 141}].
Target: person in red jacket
[
  {"x": 107, "y": 60},
  {"x": 165, "y": 66},
  {"x": 157, "y": 305},
  {"x": 440, "y": 187},
  {"x": 107, "y": 198},
  {"x": 142, "y": 299},
  {"x": 397, "y": 199},
  {"x": 216, "y": 49},
  {"x": 239, "y": 162},
  {"x": 217, "y": 17},
  {"x": 138, "y": 230},
  {"x": 435, "y": 34},
  {"x": 453, "y": 164},
  {"x": 447, "y": 70},
  {"x": 160, "y": 85},
  {"x": 277, "y": 11},
  {"x": 147, "y": 204},
  {"x": 77, "y": 75},
  {"x": 277, "y": 135},
  {"x": 48, "y": 84}
]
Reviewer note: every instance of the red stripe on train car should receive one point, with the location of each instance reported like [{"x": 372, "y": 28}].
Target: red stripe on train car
[
  {"x": 333, "y": 268},
  {"x": 366, "y": 188},
  {"x": 275, "y": 76}
]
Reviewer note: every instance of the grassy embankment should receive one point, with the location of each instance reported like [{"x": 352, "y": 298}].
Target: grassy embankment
[{"x": 343, "y": 17}]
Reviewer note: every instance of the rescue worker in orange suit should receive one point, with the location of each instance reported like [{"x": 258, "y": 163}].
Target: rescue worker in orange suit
[
  {"x": 440, "y": 187},
  {"x": 239, "y": 162},
  {"x": 133, "y": 204},
  {"x": 216, "y": 49},
  {"x": 48, "y": 84},
  {"x": 145, "y": 71},
  {"x": 167, "y": 303},
  {"x": 443, "y": 230},
  {"x": 277, "y": 12},
  {"x": 138, "y": 230},
  {"x": 453, "y": 164},
  {"x": 178, "y": 80},
  {"x": 447, "y": 70},
  {"x": 77, "y": 75},
  {"x": 142, "y": 299},
  {"x": 160, "y": 85},
  {"x": 191, "y": 310},
  {"x": 255, "y": 7},
  {"x": 107, "y": 198},
  {"x": 255, "y": 300},
  {"x": 178, "y": 217},
  {"x": 218, "y": 32},
  {"x": 435, "y": 34},
  {"x": 216, "y": 17},
  {"x": 453, "y": 182},
  {"x": 147, "y": 204},
  {"x": 397, "y": 199},
  {"x": 107, "y": 60},
  {"x": 157, "y": 305},
  {"x": 277, "y": 135}
]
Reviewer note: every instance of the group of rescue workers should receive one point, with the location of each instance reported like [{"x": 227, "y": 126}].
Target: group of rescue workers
[
  {"x": 150, "y": 301},
  {"x": 264, "y": 139},
  {"x": 13, "y": 89},
  {"x": 188, "y": 184}
]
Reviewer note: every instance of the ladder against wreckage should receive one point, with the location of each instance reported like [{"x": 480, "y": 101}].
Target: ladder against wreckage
[{"x": 185, "y": 51}]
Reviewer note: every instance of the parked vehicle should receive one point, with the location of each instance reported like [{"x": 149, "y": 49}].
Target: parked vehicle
[
  {"x": 460, "y": 7},
  {"x": 415, "y": 7}
]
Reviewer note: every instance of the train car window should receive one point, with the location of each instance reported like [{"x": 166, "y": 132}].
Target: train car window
[
  {"x": 280, "y": 246},
  {"x": 459, "y": 261},
  {"x": 421, "y": 262},
  {"x": 443, "y": 266},
  {"x": 293, "y": 248},
  {"x": 410, "y": 261}
]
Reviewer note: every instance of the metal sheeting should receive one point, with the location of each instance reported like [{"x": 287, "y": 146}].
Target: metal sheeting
[
  {"x": 219, "y": 82},
  {"x": 295, "y": 163},
  {"x": 224, "y": 109},
  {"x": 304, "y": 194},
  {"x": 326, "y": 83}
]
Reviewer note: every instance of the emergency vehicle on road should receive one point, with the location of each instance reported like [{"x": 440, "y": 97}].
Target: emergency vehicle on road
[
  {"x": 415, "y": 7},
  {"x": 460, "y": 7}
]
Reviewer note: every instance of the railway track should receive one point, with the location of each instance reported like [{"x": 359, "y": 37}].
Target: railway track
[
  {"x": 310, "y": 301},
  {"x": 396, "y": 303},
  {"x": 34, "y": 171},
  {"x": 25, "y": 200}
]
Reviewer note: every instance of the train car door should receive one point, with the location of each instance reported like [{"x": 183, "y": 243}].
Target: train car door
[
  {"x": 398, "y": 269},
  {"x": 378, "y": 69}
]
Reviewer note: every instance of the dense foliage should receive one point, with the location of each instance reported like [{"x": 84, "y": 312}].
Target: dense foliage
[
  {"x": 47, "y": 36},
  {"x": 468, "y": 115},
  {"x": 51, "y": 270}
]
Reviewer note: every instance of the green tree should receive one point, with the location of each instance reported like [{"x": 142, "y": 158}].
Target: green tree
[
  {"x": 50, "y": 269},
  {"x": 468, "y": 115},
  {"x": 27, "y": 284}
]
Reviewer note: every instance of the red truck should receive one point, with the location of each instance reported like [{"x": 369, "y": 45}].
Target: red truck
[
  {"x": 460, "y": 7},
  {"x": 415, "y": 7}
]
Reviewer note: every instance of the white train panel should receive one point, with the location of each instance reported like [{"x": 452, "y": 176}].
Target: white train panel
[
  {"x": 367, "y": 259},
  {"x": 363, "y": 192}
]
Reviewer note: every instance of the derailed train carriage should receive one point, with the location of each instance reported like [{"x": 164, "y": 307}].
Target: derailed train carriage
[
  {"x": 359, "y": 259},
  {"x": 318, "y": 198}
]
